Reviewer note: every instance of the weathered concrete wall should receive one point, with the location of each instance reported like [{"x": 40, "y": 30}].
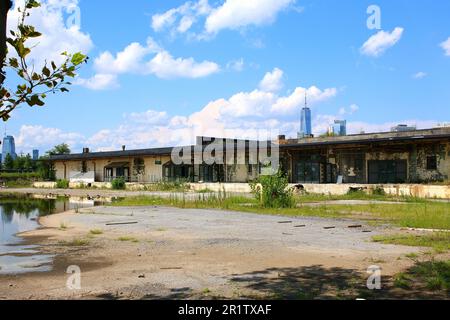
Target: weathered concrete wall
[
  {"x": 409, "y": 190},
  {"x": 152, "y": 173},
  {"x": 420, "y": 191},
  {"x": 44, "y": 185},
  {"x": 237, "y": 173},
  {"x": 419, "y": 172}
]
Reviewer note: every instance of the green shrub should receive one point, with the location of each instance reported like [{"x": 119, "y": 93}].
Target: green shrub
[
  {"x": 273, "y": 191},
  {"x": 62, "y": 184},
  {"x": 118, "y": 184},
  {"x": 379, "y": 191}
]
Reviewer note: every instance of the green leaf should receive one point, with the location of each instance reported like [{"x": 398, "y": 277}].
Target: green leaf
[
  {"x": 13, "y": 62},
  {"x": 35, "y": 100},
  {"x": 78, "y": 58},
  {"x": 35, "y": 34},
  {"x": 46, "y": 71},
  {"x": 32, "y": 4}
]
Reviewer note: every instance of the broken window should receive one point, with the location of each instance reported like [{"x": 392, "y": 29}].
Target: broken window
[
  {"x": 138, "y": 166},
  {"x": 432, "y": 163}
]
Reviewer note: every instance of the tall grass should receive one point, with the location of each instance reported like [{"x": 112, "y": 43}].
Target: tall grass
[
  {"x": 429, "y": 215},
  {"x": 439, "y": 241}
]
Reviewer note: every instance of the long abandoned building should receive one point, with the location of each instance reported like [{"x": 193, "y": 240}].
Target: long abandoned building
[{"x": 420, "y": 156}]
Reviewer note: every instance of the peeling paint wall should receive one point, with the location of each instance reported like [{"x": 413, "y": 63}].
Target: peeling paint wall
[
  {"x": 152, "y": 171},
  {"x": 419, "y": 158}
]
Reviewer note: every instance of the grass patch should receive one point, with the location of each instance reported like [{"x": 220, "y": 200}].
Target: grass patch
[
  {"x": 76, "y": 243},
  {"x": 427, "y": 215},
  {"x": 20, "y": 183},
  {"x": 96, "y": 232},
  {"x": 357, "y": 195},
  {"x": 435, "y": 273},
  {"x": 63, "y": 226},
  {"x": 439, "y": 241},
  {"x": 402, "y": 280},
  {"x": 206, "y": 291},
  {"x": 128, "y": 239},
  {"x": 412, "y": 256}
]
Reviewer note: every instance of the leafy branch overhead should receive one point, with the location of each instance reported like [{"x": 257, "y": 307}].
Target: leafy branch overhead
[{"x": 34, "y": 85}]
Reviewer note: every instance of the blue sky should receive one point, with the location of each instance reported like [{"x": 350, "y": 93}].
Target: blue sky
[{"x": 162, "y": 72}]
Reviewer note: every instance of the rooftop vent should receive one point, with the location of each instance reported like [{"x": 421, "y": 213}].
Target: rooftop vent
[
  {"x": 85, "y": 150},
  {"x": 124, "y": 148}
]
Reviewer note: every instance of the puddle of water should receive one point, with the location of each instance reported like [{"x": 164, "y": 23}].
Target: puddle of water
[{"x": 20, "y": 214}]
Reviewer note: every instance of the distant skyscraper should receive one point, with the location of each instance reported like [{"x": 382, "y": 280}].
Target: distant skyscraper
[
  {"x": 305, "y": 122},
  {"x": 338, "y": 128},
  {"x": 9, "y": 147},
  {"x": 35, "y": 155}
]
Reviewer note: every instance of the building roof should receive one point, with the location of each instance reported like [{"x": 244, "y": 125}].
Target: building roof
[
  {"x": 370, "y": 138},
  {"x": 113, "y": 154}
]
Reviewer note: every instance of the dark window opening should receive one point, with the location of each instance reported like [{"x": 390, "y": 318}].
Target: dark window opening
[
  {"x": 432, "y": 163},
  {"x": 387, "y": 171},
  {"x": 84, "y": 167}
]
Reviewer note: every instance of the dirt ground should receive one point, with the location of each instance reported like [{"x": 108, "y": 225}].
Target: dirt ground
[{"x": 169, "y": 253}]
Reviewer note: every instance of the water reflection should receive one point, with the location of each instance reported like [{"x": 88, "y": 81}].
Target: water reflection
[{"x": 20, "y": 214}]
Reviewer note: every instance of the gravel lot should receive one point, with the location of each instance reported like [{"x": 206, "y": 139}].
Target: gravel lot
[{"x": 170, "y": 253}]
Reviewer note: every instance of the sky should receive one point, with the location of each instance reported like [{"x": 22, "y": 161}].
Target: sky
[{"x": 162, "y": 72}]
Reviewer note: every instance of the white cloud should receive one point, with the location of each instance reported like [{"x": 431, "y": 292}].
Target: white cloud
[
  {"x": 352, "y": 109},
  {"x": 446, "y": 46},
  {"x": 419, "y": 75},
  {"x": 272, "y": 81},
  {"x": 290, "y": 104},
  {"x": 150, "y": 117},
  {"x": 235, "y": 14},
  {"x": 163, "y": 65},
  {"x": 99, "y": 82},
  {"x": 150, "y": 59},
  {"x": 127, "y": 61},
  {"x": 229, "y": 14},
  {"x": 182, "y": 18},
  {"x": 31, "y": 137},
  {"x": 376, "y": 45},
  {"x": 55, "y": 20},
  {"x": 236, "y": 65}
]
